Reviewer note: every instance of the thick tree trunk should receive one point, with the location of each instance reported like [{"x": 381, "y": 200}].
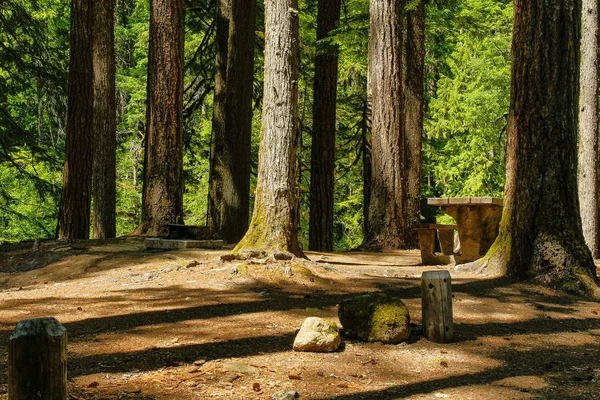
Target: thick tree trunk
[
  {"x": 386, "y": 228},
  {"x": 275, "y": 220},
  {"x": 77, "y": 180},
  {"x": 366, "y": 162},
  {"x": 237, "y": 147},
  {"x": 162, "y": 201},
  {"x": 216, "y": 171},
  {"x": 540, "y": 234},
  {"x": 104, "y": 186},
  {"x": 322, "y": 163},
  {"x": 588, "y": 126},
  {"x": 413, "y": 90}
]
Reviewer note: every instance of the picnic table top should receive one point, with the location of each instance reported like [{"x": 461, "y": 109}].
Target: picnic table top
[{"x": 465, "y": 201}]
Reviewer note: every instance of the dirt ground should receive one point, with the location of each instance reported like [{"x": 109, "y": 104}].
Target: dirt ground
[{"x": 151, "y": 324}]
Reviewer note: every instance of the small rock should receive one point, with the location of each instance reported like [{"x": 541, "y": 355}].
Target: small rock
[
  {"x": 148, "y": 276},
  {"x": 317, "y": 335},
  {"x": 192, "y": 263},
  {"x": 283, "y": 395},
  {"x": 283, "y": 256},
  {"x": 288, "y": 271},
  {"x": 199, "y": 362},
  {"x": 228, "y": 257},
  {"x": 241, "y": 368}
]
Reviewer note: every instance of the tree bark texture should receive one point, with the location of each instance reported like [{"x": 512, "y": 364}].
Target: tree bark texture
[
  {"x": 540, "y": 234},
  {"x": 275, "y": 219},
  {"x": 413, "y": 91},
  {"x": 77, "y": 179},
  {"x": 162, "y": 201},
  {"x": 237, "y": 144},
  {"x": 588, "y": 127},
  {"x": 323, "y": 136},
  {"x": 104, "y": 175},
  {"x": 215, "y": 175},
  {"x": 386, "y": 228}
]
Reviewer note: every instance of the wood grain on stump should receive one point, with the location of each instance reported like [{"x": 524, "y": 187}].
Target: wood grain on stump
[{"x": 436, "y": 303}]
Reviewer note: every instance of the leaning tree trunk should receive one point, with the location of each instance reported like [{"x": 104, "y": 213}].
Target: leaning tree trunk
[
  {"x": 588, "y": 127},
  {"x": 216, "y": 172},
  {"x": 540, "y": 234},
  {"x": 162, "y": 201},
  {"x": 388, "y": 192},
  {"x": 237, "y": 146},
  {"x": 320, "y": 233},
  {"x": 104, "y": 182},
  {"x": 77, "y": 180},
  {"x": 275, "y": 220},
  {"x": 413, "y": 91}
]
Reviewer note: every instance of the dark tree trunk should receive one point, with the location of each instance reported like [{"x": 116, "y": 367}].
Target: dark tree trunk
[
  {"x": 320, "y": 232},
  {"x": 275, "y": 220},
  {"x": 237, "y": 147},
  {"x": 388, "y": 189},
  {"x": 162, "y": 201},
  {"x": 413, "y": 90},
  {"x": 540, "y": 234},
  {"x": 104, "y": 182},
  {"x": 588, "y": 127},
  {"x": 216, "y": 172},
  {"x": 77, "y": 181}
]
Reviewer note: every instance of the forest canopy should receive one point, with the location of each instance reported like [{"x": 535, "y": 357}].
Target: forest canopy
[{"x": 467, "y": 74}]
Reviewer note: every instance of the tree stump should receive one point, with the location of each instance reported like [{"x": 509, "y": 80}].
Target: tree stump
[
  {"x": 37, "y": 360},
  {"x": 436, "y": 305}
]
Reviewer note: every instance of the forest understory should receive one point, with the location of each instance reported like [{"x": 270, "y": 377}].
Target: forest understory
[{"x": 149, "y": 324}]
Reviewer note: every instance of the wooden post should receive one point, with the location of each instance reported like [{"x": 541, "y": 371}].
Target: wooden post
[
  {"x": 37, "y": 360},
  {"x": 436, "y": 306}
]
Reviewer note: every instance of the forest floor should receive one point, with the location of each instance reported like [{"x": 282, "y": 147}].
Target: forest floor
[{"x": 149, "y": 324}]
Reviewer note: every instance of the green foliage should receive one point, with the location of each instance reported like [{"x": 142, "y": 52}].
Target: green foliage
[{"x": 467, "y": 95}]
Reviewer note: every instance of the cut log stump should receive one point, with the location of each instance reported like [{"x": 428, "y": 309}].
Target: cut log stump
[
  {"x": 37, "y": 360},
  {"x": 436, "y": 306}
]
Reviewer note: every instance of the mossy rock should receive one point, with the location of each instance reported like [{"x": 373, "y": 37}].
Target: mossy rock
[{"x": 375, "y": 317}]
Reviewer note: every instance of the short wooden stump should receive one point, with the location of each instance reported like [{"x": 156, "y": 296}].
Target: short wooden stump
[{"x": 436, "y": 306}]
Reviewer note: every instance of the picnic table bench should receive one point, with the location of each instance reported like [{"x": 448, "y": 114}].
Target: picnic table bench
[{"x": 477, "y": 222}]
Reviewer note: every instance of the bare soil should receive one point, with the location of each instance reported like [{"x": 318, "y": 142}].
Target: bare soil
[{"x": 148, "y": 324}]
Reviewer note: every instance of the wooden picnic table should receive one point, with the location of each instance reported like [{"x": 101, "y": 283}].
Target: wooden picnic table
[{"x": 477, "y": 220}]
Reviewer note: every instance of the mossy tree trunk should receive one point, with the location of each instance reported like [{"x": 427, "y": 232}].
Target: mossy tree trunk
[
  {"x": 104, "y": 182},
  {"x": 588, "y": 127},
  {"x": 237, "y": 144},
  {"x": 162, "y": 201},
  {"x": 77, "y": 178},
  {"x": 323, "y": 136},
  {"x": 386, "y": 228},
  {"x": 275, "y": 219},
  {"x": 216, "y": 171},
  {"x": 540, "y": 235},
  {"x": 413, "y": 91}
]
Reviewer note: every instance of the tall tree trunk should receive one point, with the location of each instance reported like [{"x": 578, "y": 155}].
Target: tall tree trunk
[
  {"x": 320, "y": 232},
  {"x": 237, "y": 145},
  {"x": 366, "y": 161},
  {"x": 216, "y": 172},
  {"x": 162, "y": 201},
  {"x": 77, "y": 180},
  {"x": 413, "y": 90},
  {"x": 540, "y": 234},
  {"x": 388, "y": 189},
  {"x": 588, "y": 126},
  {"x": 104, "y": 176},
  {"x": 275, "y": 220}
]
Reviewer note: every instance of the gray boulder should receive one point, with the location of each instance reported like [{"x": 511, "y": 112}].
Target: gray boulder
[
  {"x": 317, "y": 335},
  {"x": 375, "y": 317}
]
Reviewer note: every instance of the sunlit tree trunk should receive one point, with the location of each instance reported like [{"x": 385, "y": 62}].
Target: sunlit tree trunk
[
  {"x": 162, "y": 201},
  {"x": 237, "y": 144},
  {"x": 215, "y": 176},
  {"x": 413, "y": 90},
  {"x": 588, "y": 126},
  {"x": 386, "y": 227},
  {"x": 275, "y": 219},
  {"x": 540, "y": 234},
  {"x": 104, "y": 176},
  {"x": 77, "y": 179},
  {"x": 323, "y": 136}
]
